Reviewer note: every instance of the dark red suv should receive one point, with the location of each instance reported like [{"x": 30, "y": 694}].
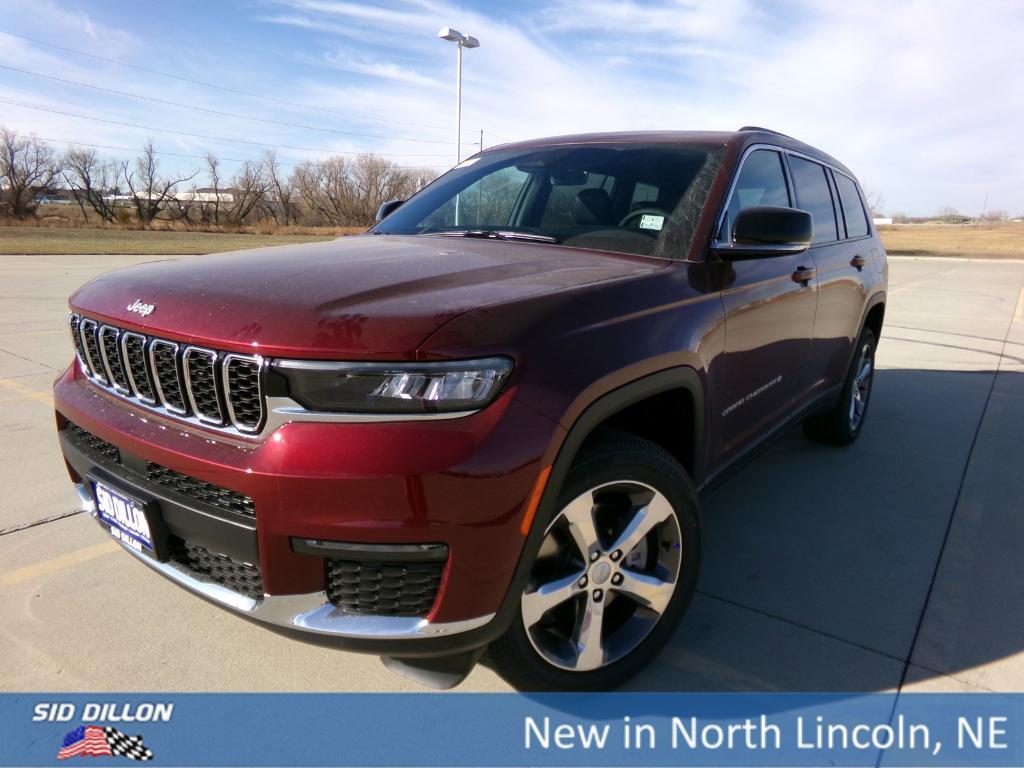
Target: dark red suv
[{"x": 485, "y": 423}]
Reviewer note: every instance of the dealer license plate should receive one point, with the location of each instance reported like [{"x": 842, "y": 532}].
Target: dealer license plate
[{"x": 125, "y": 517}]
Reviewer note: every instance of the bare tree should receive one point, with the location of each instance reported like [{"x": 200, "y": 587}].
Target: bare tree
[
  {"x": 344, "y": 192},
  {"x": 875, "y": 201},
  {"x": 376, "y": 181},
  {"x": 149, "y": 191},
  {"x": 28, "y": 167},
  {"x": 282, "y": 192},
  {"x": 213, "y": 170},
  {"x": 249, "y": 188},
  {"x": 997, "y": 215},
  {"x": 948, "y": 212},
  {"x": 91, "y": 179},
  {"x": 323, "y": 187}
]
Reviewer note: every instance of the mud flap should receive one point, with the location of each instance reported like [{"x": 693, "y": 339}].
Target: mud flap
[{"x": 438, "y": 672}]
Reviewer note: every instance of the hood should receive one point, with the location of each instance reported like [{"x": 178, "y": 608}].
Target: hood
[{"x": 361, "y": 297}]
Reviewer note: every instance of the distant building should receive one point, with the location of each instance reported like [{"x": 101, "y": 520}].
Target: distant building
[
  {"x": 205, "y": 195},
  {"x": 879, "y": 220}
]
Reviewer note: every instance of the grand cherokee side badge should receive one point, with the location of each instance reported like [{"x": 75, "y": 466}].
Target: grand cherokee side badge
[{"x": 143, "y": 309}]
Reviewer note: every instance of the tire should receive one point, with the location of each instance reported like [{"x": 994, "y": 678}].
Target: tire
[
  {"x": 843, "y": 423},
  {"x": 622, "y": 485}
]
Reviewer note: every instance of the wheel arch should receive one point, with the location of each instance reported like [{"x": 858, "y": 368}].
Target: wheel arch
[
  {"x": 874, "y": 315},
  {"x": 682, "y": 379}
]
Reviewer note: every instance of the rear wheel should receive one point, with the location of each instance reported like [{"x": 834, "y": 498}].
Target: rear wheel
[
  {"x": 615, "y": 572},
  {"x": 842, "y": 424}
]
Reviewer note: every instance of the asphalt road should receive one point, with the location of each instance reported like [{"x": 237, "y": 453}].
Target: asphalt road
[{"x": 892, "y": 564}]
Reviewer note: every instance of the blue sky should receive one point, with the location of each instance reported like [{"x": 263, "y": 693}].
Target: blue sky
[{"x": 923, "y": 100}]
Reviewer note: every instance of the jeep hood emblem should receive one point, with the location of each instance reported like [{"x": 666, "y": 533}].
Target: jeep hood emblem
[{"x": 143, "y": 309}]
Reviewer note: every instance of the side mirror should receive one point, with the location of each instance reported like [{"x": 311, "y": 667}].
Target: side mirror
[
  {"x": 764, "y": 231},
  {"x": 386, "y": 209}
]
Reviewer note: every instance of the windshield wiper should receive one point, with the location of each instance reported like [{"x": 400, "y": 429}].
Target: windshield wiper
[{"x": 495, "y": 234}]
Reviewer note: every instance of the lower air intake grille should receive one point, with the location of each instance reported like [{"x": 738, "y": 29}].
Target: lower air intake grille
[
  {"x": 207, "y": 493},
  {"x": 88, "y": 442},
  {"x": 244, "y": 578},
  {"x": 383, "y": 589}
]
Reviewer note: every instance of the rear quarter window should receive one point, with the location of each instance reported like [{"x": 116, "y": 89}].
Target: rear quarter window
[{"x": 853, "y": 209}]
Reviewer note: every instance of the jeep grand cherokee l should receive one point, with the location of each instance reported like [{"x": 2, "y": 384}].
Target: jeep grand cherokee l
[{"x": 486, "y": 422}]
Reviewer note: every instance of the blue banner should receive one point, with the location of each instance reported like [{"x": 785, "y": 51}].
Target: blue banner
[{"x": 453, "y": 729}]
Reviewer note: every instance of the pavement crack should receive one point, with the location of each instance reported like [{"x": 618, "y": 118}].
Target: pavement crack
[
  {"x": 952, "y": 512},
  {"x": 799, "y": 625},
  {"x": 43, "y": 521}
]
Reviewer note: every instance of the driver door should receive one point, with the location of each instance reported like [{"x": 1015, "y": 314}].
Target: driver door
[{"x": 769, "y": 318}]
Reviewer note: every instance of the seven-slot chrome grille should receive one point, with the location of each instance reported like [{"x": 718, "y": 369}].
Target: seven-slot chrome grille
[{"x": 218, "y": 389}]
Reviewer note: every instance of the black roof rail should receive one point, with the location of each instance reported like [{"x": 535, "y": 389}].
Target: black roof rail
[{"x": 764, "y": 130}]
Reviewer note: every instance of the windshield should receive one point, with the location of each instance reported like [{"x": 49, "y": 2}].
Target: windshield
[{"x": 629, "y": 198}]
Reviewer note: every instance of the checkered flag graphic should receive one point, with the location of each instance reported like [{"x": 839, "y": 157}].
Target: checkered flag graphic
[{"x": 127, "y": 746}]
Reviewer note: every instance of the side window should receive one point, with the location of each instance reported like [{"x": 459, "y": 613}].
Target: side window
[
  {"x": 853, "y": 208},
  {"x": 762, "y": 181},
  {"x": 814, "y": 196},
  {"x": 484, "y": 203}
]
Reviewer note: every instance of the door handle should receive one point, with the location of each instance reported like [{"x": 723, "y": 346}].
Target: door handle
[
  {"x": 804, "y": 275},
  {"x": 858, "y": 262}
]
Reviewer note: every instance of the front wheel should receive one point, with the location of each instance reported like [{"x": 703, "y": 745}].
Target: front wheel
[{"x": 616, "y": 570}]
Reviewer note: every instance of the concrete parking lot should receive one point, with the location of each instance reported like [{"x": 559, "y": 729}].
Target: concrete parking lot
[{"x": 894, "y": 564}]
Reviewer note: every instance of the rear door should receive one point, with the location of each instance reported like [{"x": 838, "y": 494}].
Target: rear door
[
  {"x": 769, "y": 317},
  {"x": 843, "y": 260}
]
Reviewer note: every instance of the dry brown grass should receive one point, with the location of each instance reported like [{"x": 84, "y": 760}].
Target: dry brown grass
[
  {"x": 70, "y": 217},
  {"x": 113, "y": 240},
  {"x": 987, "y": 241}
]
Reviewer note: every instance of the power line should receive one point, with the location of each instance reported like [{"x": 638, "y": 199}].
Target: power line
[
  {"x": 225, "y": 159},
  {"x": 225, "y": 89},
  {"x": 187, "y": 133},
  {"x": 217, "y": 111}
]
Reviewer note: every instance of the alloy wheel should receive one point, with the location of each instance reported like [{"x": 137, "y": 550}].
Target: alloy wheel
[
  {"x": 861, "y": 389},
  {"x": 605, "y": 574}
]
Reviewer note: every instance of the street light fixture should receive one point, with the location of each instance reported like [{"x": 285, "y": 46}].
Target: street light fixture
[{"x": 462, "y": 41}]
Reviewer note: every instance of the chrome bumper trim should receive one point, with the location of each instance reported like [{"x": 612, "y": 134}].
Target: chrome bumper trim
[{"x": 309, "y": 612}]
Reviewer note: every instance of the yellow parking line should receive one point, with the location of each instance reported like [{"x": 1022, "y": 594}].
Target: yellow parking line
[
  {"x": 1018, "y": 314},
  {"x": 24, "y": 393},
  {"x": 58, "y": 563}
]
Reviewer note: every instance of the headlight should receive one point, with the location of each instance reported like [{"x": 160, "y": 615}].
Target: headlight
[{"x": 460, "y": 385}]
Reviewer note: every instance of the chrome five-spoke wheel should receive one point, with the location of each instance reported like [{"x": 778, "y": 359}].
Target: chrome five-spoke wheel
[
  {"x": 605, "y": 574},
  {"x": 861, "y": 389}
]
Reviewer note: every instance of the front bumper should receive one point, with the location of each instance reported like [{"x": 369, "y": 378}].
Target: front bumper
[
  {"x": 309, "y": 613},
  {"x": 464, "y": 483}
]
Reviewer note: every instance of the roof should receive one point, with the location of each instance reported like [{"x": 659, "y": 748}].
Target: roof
[{"x": 741, "y": 139}]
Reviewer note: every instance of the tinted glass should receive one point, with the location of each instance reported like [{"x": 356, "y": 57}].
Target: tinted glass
[
  {"x": 761, "y": 182},
  {"x": 486, "y": 201},
  {"x": 558, "y": 211},
  {"x": 814, "y": 196},
  {"x": 853, "y": 208},
  {"x": 583, "y": 196}
]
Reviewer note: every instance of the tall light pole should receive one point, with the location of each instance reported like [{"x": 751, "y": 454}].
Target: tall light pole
[{"x": 462, "y": 41}]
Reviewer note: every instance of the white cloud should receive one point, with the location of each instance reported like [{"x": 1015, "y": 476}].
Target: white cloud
[{"x": 921, "y": 99}]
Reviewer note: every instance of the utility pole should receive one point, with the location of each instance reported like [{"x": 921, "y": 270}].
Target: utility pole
[{"x": 481, "y": 139}]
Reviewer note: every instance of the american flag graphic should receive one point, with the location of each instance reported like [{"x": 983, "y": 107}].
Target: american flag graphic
[{"x": 97, "y": 741}]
